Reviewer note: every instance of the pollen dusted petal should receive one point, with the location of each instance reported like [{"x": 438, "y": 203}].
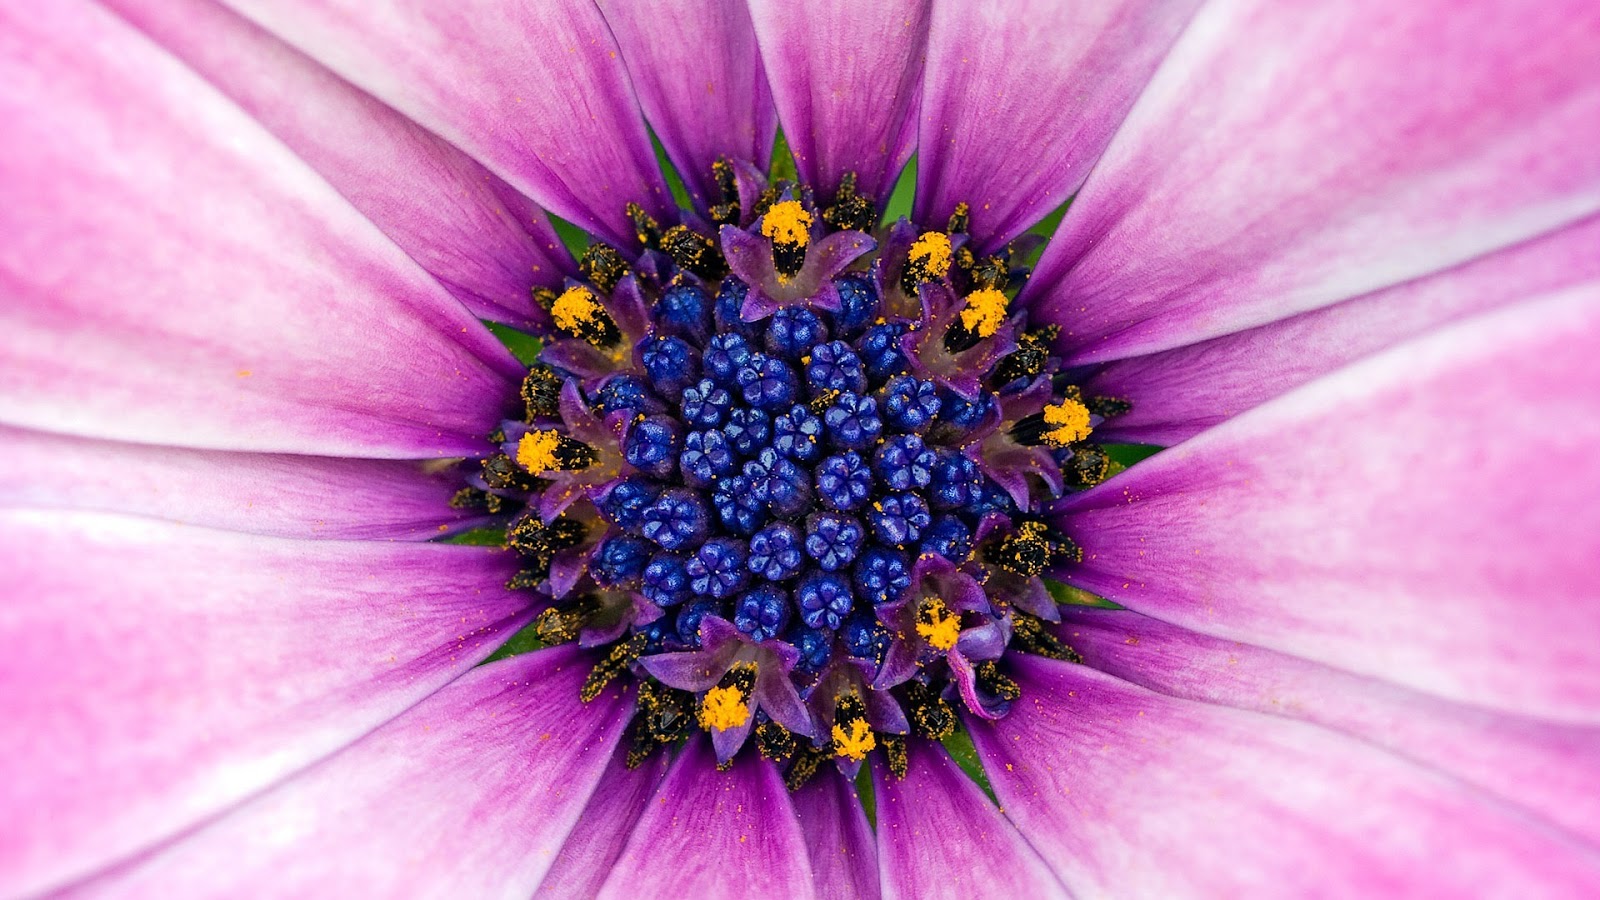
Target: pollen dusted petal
[
  {"x": 230, "y": 301},
  {"x": 843, "y": 851},
  {"x": 1211, "y": 211},
  {"x": 846, "y": 77},
  {"x": 484, "y": 242},
  {"x": 284, "y": 495},
  {"x": 714, "y": 835},
  {"x": 158, "y": 673},
  {"x": 697, "y": 70},
  {"x": 469, "y": 793},
  {"x": 1127, "y": 792},
  {"x": 939, "y": 836},
  {"x": 537, "y": 92},
  {"x": 1425, "y": 516},
  {"x": 1547, "y": 767},
  {"x": 596, "y": 841},
  {"x": 1020, "y": 98}
]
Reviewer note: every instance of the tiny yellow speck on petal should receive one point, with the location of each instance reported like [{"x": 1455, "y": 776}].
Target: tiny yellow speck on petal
[
  {"x": 855, "y": 743},
  {"x": 723, "y": 708},
  {"x": 932, "y": 250},
  {"x": 985, "y": 311},
  {"x": 536, "y": 452},
  {"x": 787, "y": 223},
  {"x": 1070, "y": 421}
]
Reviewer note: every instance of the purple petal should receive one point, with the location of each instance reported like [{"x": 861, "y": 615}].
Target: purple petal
[
  {"x": 535, "y": 91},
  {"x": 1426, "y": 516},
  {"x": 714, "y": 835},
  {"x": 846, "y": 78},
  {"x": 261, "y": 493},
  {"x": 1178, "y": 393},
  {"x": 468, "y": 794},
  {"x": 1127, "y": 792},
  {"x": 484, "y": 242},
  {"x": 174, "y": 275},
  {"x": 596, "y": 841},
  {"x": 156, "y": 674},
  {"x": 1547, "y": 767},
  {"x": 842, "y": 849},
  {"x": 697, "y": 71},
  {"x": 938, "y": 835},
  {"x": 1020, "y": 98},
  {"x": 1349, "y": 149}
]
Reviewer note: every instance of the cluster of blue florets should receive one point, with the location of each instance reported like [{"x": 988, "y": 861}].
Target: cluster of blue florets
[{"x": 787, "y": 472}]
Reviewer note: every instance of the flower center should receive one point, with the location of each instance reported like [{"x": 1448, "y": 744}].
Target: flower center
[{"x": 790, "y": 477}]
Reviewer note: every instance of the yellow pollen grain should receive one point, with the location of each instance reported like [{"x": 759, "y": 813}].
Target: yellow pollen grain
[
  {"x": 932, "y": 249},
  {"x": 787, "y": 223},
  {"x": 985, "y": 311},
  {"x": 938, "y": 625},
  {"x": 575, "y": 307},
  {"x": 1071, "y": 421},
  {"x": 536, "y": 452},
  {"x": 723, "y": 708},
  {"x": 855, "y": 743}
]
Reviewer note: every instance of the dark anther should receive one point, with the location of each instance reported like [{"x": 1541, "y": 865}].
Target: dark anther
[
  {"x": 806, "y": 763},
  {"x": 1027, "y": 361},
  {"x": 788, "y": 258},
  {"x": 894, "y": 751},
  {"x": 1030, "y": 430},
  {"x": 824, "y": 399},
  {"x": 960, "y": 219},
  {"x": 663, "y": 716},
  {"x": 501, "y": 473},
  {"x": 622, "y": 656},
  {"x": 537, "y": 540},
  {"x": 930, "y": 714},
  {"x": 769, "y": 197},
  {"x": 560, "y": 624},
  {"x": 990, "y": 272},
  {"x": 957, "y": 338},
  {"x": 541, "y": 391},
  {"x": 1031, "y": 636},
  {"x": 474, "y": 500},
  {"x": 850, "y": 211},
  {"x": 694, "y": 251},
  {"x": 991, "y": 680},
  {"x": 526, "y": 579},
  {"x": 1108, "y": 407},
  {"x": 775, "y": 742},
  {"x": 603, "y": 266},
  {"x": 1027, "y": 551},
  {"x": 1088, "y": 466},
  {"x": 645, "y": 227},
  {"x": 544, "y": 297},
  {"x": 726, "y": 210}
]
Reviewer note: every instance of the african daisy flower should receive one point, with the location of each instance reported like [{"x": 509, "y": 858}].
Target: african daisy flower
[{"x": 813, "y": 552}]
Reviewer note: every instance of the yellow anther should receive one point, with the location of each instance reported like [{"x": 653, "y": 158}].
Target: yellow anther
[
  {"x": 937, "y": 624},
  {"x": 931, "y": 252},
  {"x": 536, "y": 452},
  {"x": 575, "y": 308},
  {"x": 724, "y": 708},
  {"x": 1069, "y": 420},
  {"x": 985, "y": 311},
  {"x": 787, "y": 223},
  {"x": 855, "y": 743}
]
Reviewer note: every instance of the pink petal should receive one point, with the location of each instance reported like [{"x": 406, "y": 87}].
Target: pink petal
[
  {"x": 1178, "y": 393},
  {"x": 1283, "y": 159},
  {"x": 156, "y": 674},
  {"x": 596, "y": 841},
  {"x": 261, "y": 493},
  {"x": 842, "y": 849},
  {"x": 482, "y": 240},
  {"x": 1549, "y": 768},
  {"x": 697, "y": 71},
  {"x": 173, "y": 274},
  {"x": 1130, "y": 793},
  {"x": 713, "y": 835},
  {"x": 1020, "y": 98},
  {"x": 1426, "y": 517},
  {"x": 468, "y": 794},
  {"x": 846, "y": 78},
  {"x": 938, "y": 835},
  {"x": 535, "y": 91}
]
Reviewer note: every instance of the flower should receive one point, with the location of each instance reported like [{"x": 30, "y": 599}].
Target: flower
[{"x": 1339, "y": 260}]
